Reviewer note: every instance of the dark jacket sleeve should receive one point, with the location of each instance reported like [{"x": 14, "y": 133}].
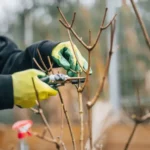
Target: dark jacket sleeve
[
  {"x": 6, "y": 92},
  {"x": 13, "y": 60}
]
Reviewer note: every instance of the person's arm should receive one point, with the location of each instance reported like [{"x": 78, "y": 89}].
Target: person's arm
[
  {"x": 17, "y": 89},
  {"x": 6, "y": 92},
  {"x": 13, "y": 60}
]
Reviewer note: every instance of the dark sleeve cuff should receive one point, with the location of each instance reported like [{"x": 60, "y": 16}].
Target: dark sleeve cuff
[{"x": 6, "y": 92}]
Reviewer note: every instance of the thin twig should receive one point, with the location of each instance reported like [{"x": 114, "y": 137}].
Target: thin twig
[
  {"x": 101, "y": 29},
  {"x": 100, "y": 88},
  {"x": 41, "y": 111},
  {"x": 38, "y": 65},
  {"x": 68, "y": 26},
  {"x": 87, "y": 72},
  {"x": 44, "y": 138},
  {"x": 42, "y": 60},
  {"x": 90, "y": 37},
  {"x": 44, "y": 118},
  {"x": 68, "y": 121},
  {"x": 50, "y": 64},
  {"x": 34, "y": 110},
  {"x": 131, "y": 136},
  {"x": 139, "y": 100},
  {"x": 74, "y": 16},
  {"x": 44, "y": 132},
  {"x": 72, "y": 45},
  {"x": 106, "y": 26},
  {"x": 145, "y": 33},
  {"x": 90, "y": 128},
  {"x": 62, "y": 122},
  {"x": 81, "y": 121}
]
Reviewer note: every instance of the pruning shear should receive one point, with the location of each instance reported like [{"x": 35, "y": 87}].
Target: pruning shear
[{"x": 56, "y": 80}]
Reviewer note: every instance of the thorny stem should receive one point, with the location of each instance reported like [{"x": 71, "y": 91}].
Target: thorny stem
[
  {"x": 68, "y": 121},
  {"x": 145, "y": 33},
  {"x": 131, "y": 136}
]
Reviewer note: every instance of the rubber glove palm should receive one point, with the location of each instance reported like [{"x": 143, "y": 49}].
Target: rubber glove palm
[
  {"x": 63, "y": 55},
  {"x": 24, "y": 92}
]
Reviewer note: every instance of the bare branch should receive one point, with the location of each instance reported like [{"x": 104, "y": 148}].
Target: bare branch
[
  {"x": 41, "y": 111},
  {"x": 74, "y": 16},
  {"x": 93, "y": 101},
  {"x": 69, "y": 27},
  {"x": 131, "y": 136},
  {"x": 100, "y": 30},
  {"x": 44, "y": 132},
  {"x": 44, "y": 138},
  {"x": 42, "y": 60},
  {"x": 66, "y": 26},
  {"x": 38, "y": 65},
  {"x": 34, "y": 110},
  {"x": 68, "y": 120},
  {"x": 81, "y": 120},
  {"x": 88, "y": 71},
  {"x": 62, "y": 122},
  {"x": 90, "y": 127},
  {"x": 50, "y": 64},
  {"x": 106, "y": 26},
  {"x": 62, "y": 15},
  {"x": 145, "y": 33},
  {"x": 72, "y": 45},
  {"x": 90, "y": 37}
]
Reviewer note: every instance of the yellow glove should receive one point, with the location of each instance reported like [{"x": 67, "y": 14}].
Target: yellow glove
[
  {"x": 64, "y": 56},
  {"x": 23, "y": 90}
]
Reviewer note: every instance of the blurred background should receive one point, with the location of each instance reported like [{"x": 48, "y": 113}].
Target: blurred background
[{"x": 29, "y": 21}]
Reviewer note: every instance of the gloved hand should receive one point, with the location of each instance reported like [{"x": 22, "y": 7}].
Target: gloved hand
[
  {"x": 24, "y": 93},
  {"x": 64, "y": 56}
]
